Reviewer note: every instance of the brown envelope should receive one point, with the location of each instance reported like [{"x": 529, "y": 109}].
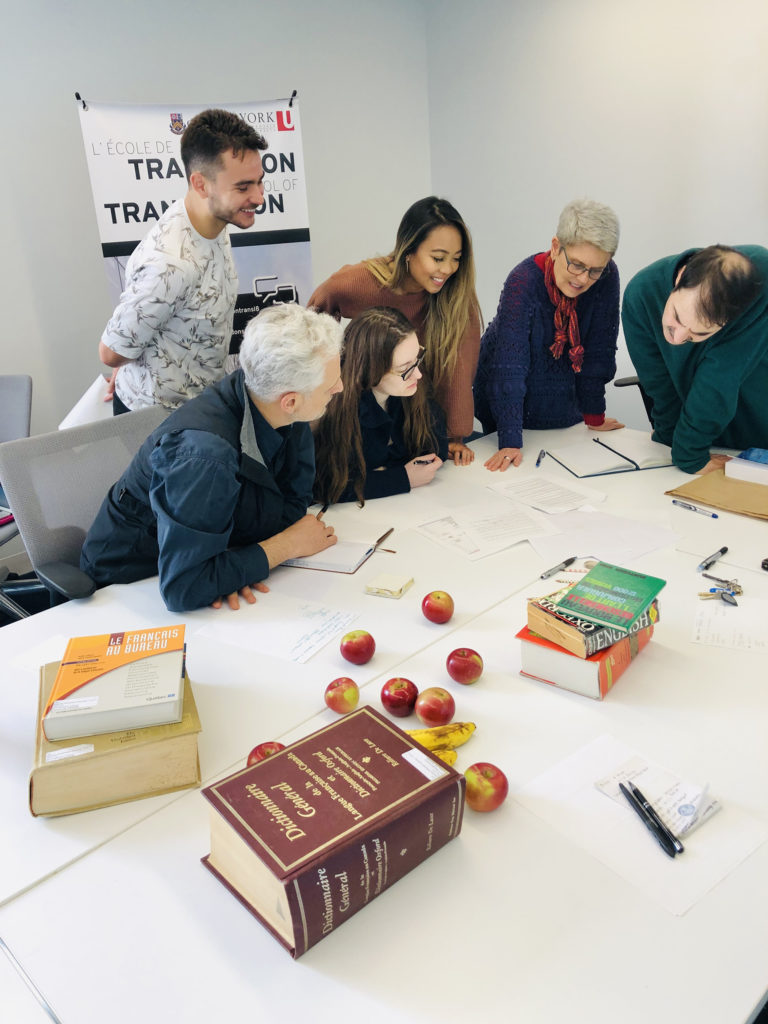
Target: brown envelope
[{"x": 719, "y": 491}]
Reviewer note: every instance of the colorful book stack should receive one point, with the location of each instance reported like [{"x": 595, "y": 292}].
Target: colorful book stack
[{"x": 583, "y": 637}]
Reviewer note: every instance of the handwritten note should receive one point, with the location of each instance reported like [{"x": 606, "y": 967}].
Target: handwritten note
[
  {"x": 741, "y": 628},
  {"x": 284, "y": 627},
  {"x": 682, "y": 806}
]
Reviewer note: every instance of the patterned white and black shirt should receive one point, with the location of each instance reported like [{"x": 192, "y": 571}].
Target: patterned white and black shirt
[{"x": 174, "y": 319}]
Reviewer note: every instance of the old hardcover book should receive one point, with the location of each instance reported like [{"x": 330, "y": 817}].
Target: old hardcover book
[
  {"x": 576, "y": 634},
  {"x": 591, "y": 677},
  {"x": 126, "y": 680},
  {"x": 610, "y": 595},
  {"x": 309, "y": 836},
  {"x": 111, "y": 768}
]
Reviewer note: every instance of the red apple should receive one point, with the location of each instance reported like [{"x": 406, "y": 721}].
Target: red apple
[
  {"x": 487, "y": 786},
  {"x": 264, "y": 750},
  {"x": 435, "y": 706},
  {"x": 342, "y": 695},
  {"x": 464, "y": 665},
  {"x": 357, "y": 646},
  {"x": 398, "y": 696},
  {"x": 437, "y": 606}
]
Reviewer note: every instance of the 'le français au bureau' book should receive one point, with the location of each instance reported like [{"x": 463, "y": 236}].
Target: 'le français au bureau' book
[
  {"x": 610, "y": 595},
  {"x": 312, "y": 834},
  {"x": 70, "y": 776},
  {"x": 578, "y": 635},
  {"x": 124, "y": 680}
]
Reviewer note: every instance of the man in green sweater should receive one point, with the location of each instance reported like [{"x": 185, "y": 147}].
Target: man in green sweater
[{"x": 696, "y": 327}]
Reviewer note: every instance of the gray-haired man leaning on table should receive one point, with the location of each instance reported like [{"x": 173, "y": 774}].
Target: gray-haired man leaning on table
[{"x": 217, "y": 495}]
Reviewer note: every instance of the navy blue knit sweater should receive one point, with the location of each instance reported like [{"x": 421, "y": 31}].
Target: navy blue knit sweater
[{"x": 519, "y": 384}]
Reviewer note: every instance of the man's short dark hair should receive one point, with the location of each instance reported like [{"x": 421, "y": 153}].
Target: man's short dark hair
[
  {"x": 728, "y": 282},
  {"x": 211, "y": 133}
]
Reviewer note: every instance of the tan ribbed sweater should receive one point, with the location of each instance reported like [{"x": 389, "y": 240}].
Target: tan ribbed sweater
[{"x": 353, "y": 289}]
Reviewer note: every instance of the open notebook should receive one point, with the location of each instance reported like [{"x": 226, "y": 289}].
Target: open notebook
[
  {"x": 356, "y": 544},
  {"x": 618, "y": 451}
]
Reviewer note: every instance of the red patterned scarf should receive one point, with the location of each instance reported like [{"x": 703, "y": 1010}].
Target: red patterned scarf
[{"x": 566, "y": 320}]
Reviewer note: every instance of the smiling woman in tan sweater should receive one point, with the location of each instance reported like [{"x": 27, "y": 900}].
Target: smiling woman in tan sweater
[{"x": 430, "y": 277}]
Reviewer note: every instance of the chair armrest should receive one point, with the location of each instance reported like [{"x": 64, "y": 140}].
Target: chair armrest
[
  {"x": 65, "y": 579},
  {"x": 626, "y": 382}
]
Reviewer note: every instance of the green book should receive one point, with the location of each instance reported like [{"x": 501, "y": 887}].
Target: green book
[{"x": 610, "y": 595}]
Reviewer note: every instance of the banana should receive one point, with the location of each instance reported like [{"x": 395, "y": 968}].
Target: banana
[
  {"x": 443, "y": 737},
  {"x": 449, "y": 756}
]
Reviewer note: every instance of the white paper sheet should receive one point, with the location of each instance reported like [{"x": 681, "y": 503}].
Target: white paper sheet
[
  {"x": 545, "y": 494},
  {"x": 483, "y": 528},
  {"x": 278, "y": 625},
  {"x": 610, "y": 538},
  {"x": 567, "y": 799}
]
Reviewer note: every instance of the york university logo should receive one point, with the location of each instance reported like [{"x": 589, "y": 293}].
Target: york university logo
[
  {"x": 285, "y": 121},
  {"x": 177, "y": 124}
]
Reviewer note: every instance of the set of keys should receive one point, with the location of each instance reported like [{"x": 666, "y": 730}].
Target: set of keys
[{"x": 726, "y": 590}]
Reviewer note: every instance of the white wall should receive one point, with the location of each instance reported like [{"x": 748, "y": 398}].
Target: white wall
[
  {"x": 361, "y": 80},
  {"x": 508, "y": 107},
  {"x": 656, "y": 107}
]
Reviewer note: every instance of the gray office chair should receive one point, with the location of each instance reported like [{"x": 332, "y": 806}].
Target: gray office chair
[
  {"x": 15, "y": 417},
  {"x": 56, "y": 483}
]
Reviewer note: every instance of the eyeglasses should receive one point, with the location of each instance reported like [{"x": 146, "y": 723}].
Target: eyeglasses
[
  {"x": 595, "y": 273},
  {"x": 409, "y": 370}
]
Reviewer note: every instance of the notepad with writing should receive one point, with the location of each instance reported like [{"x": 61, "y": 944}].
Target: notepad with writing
[
  {"x": 355, "y": 545},
  {"x": 622, "y": 451}
]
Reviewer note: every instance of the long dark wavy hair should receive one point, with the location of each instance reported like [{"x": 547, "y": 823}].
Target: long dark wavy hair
[{"x": 369, "y": 341}]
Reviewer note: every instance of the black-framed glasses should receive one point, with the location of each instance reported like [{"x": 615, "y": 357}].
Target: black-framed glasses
[
  {"x": 595, "y": 273},
  {"x": 409, "y": 370}
]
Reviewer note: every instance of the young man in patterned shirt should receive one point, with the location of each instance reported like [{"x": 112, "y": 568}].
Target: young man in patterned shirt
[{"x": 170, "y": 332}]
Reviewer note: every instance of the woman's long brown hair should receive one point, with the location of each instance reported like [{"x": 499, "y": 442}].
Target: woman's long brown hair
[{"x": 369, "y": 341}]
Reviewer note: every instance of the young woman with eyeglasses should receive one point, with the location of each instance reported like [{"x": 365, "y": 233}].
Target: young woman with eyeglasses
[
  {"x": 383, "y": 434},
  {"x": 430, "y": 277},
  {"x": 549, "y": 352}
]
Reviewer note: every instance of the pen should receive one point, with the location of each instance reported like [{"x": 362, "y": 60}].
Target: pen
[
  {"x": 381, "y": 540},
  {"x": 694, "y": 508},
  {"x": 708, "y": 562},
  {"x": 322, "y": 512},
  {"x": 557, "y": 568},
  {"x": 423, "y": 462},
  {"x": 542, "y": 453},
  {"x": 653, "y": 814},
  {"x": 661, "y": 837}
]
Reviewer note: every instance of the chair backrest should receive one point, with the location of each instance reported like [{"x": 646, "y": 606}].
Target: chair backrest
[
  {"x": 15, "y": 406},
  {"x": 56, "y": 482},
  {"x": 15, "y": 417}
]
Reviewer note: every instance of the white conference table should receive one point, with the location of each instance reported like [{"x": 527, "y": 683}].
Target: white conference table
[{"x": 513, "y": 921}]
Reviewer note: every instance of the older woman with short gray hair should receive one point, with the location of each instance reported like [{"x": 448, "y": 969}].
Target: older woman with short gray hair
[{"x": 549, "y": 352}]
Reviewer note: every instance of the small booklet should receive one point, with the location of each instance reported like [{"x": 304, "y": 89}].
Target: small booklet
[
  {"x": 623, "y": 451},
  {"x": 355, "y": 545}
]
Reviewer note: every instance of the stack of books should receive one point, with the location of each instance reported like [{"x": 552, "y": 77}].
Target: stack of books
[
  {"x": 583, "y": 637},
  {"x": 116, "y": 721}
]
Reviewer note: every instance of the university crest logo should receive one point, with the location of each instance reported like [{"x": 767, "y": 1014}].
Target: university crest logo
[{"x": 177, "y": 124}]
